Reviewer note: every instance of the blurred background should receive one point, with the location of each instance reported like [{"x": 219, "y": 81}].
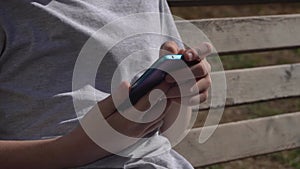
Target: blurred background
[{"x": 280, "y": 160}]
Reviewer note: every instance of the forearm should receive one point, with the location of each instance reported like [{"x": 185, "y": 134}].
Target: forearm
[
  {"x": 72, "y": 150},
  {"x": 28, "y": 154}
]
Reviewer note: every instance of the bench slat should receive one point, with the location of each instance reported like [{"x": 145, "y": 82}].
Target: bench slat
[
  {"x": 258, "y": 84},
  {"x": 243, "y": 139},
  {"x": 222, "y": 2},
  {"x": 244, "y": 34}
]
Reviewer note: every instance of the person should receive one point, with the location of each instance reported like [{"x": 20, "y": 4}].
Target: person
[{"x": 40, "y": 41}]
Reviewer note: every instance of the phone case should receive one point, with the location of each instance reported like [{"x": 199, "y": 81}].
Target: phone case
[{"x": 154, "y": 76}]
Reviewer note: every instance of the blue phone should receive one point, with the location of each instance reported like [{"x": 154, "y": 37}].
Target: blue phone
[{"x": 154, "y": 76}]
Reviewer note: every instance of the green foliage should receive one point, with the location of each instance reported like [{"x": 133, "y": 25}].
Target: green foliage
[
  {"x": 215, "y": 167},
  {"x": 288, "y": 158},
  {"x": 297, "y": 51},
  {"x": 241, "y": 61},
  {"x": 251, "y": 60},
  {"x": 262, "y": 110}
]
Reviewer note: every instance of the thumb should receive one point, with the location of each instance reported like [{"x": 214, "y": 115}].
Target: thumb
[
  {"x": 169, "y": 47},
  {"x": 118, "y": 96}
]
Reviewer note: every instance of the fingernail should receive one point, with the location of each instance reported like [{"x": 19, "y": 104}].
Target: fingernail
[{"x": 190, "y": 56}]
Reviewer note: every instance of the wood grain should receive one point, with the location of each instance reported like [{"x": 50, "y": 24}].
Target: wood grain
[
  {"x": 220, "y": 2},
  {"x": 256, "y": 84},
  {"x": 242, "y": 139},
  {"x": 244, "y": 34},
  {"x": 247, "y": 138}
]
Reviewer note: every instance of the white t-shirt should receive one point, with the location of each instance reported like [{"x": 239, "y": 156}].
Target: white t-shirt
[{"x": 40, "y": 41}]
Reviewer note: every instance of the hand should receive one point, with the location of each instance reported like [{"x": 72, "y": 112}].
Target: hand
[
  {"x": 160, "y": 115},
  {"x": 112, "y": 131},
  {"x": 178, "y": 115},
  {"x": 118, "y": 120},
  {"x": 195, "y": 88}
]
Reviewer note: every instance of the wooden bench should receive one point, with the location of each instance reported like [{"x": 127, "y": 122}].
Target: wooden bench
[{"x": 253, "y": 137}]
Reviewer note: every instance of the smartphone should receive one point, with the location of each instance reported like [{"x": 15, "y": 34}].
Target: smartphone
[{"x": 154, "y": 76}]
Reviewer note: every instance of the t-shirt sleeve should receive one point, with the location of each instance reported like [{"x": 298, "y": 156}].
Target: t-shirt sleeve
[{"x": 168, "y": 26}]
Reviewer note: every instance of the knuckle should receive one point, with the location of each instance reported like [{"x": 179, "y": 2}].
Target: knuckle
[
  {"x": 204, "y": 97},
  {"x": 169, "y": 44},
  {"x": 208, "y": 66},
  {"x": 172, "y": 43},
  {"x": 202, "y": 70},
  {"x": 168, "y": 47},
  {"x": 209, "y": 81},
  {"x": 193, "y": 51}
]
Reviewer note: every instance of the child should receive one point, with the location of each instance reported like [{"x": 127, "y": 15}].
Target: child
[{"x": 39, "y": 44}]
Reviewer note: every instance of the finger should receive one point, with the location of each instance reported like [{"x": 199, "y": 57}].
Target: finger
[
  {"x": 156, "y": 123},
  {"x": 201, "y": 85},
  {"x": 196, "y": 100},
  {"x": 190, "y": 88},
  {"x": 130, "y": 128},
  {"x": 144, "y": 104},
  {"x": 198, "y": 53},
  {"x": 192, "y": 100},
  {"x": 147, "y": 113},
  {"x": 190, "y": 55},
  {"x": 201, "y": 69},
  {"x": 204, "y": 49},
  {"x": 181, "y": 90},
  {"x": 157, "y": 112},
  {"x": 197, "y": 71},
  {"x": 169, "y": 47},
  {"x": 118, "y": 96}
]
